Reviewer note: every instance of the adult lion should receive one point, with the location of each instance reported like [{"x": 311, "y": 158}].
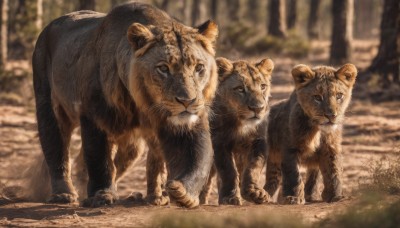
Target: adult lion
[{"x": 135, "y": 71}]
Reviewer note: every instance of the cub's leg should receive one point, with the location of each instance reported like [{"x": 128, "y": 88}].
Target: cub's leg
[
  {"x": 156, "y": 176},
  {"x": 249, "y": 184},
  {"x": 127, "y": 154},
  {"x": 293, "y": 187},
  {"x": 229, "y": 191},
  {"x": 311, "y": 190},
  {"x": 100, "y": 166},
  {"x": 273, "y": 177},
  {"x": 331, "y": 169},
  {"x": 207, "y": 187},
  {"x": 55, "y": 130}
]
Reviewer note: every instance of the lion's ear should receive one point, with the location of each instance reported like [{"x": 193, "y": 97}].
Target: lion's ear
[
  {"x": 347, "y": 73},
  {"x": 302, "y": 74},
  {"x": 139, "y": 35},
  {"x": 225, "y": 67},
  {"x": 266, "y": 66},
  {"x": 209, "y": 29}
]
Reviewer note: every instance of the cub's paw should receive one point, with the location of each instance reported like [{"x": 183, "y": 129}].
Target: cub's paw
[
  {"x": 231, "y": 200},
  {"x": 256, "y": 195},
  {"x": 64, "y": 198},
  {"x": 135, "y": 197},
  {"x": 293, "y": 200},
  {"x": 101, "y": 198},
  {"x": 158, "y": 200},
  {"x": 177, "y": 192}
]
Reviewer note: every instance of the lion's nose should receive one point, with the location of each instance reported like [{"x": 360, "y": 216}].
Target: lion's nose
[
  {"x": 331, "y": 116},
  {"x": 185, "y": 101},
  {"x": 256, "y": 108}
]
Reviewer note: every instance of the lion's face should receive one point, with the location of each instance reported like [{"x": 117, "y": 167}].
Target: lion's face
[
  {"x": 175, "y": 72},
  {"x": 245, "y": 89},
  {"x": 324, "y": 92}
]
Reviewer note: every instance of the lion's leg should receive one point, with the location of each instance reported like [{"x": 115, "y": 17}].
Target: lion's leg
[
  {"x": 126, "y": 155},
  {"x": 311, "y": 190},
  {"x": 249, "y": 184},
  {"x": 155, "y": 172},
  {"x": 189, "y": 158},
  {"x": 101, "y": 170},
  {"x": 293, "y": 187},
  {"x": 331, "y": 169},
  {"x": 273, "y": 177},
  {"x": 207, "y": 187},
  {"x": 81, "y": 174},
  {"x": 55, "y": 130}
]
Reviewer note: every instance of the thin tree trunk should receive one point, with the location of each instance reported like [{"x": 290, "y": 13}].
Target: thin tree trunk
[
  {"x": 195, "y": 12},
  {"x": 214, "y": 9},
  {"x": 342, "y": 31},
  {"x": 292, "y": 14},
  {"x": 87, "y": 5},
  {"x": 39, "y": 15},
  {"x": 277, "y": 25},
  {"x": 3, "y": 33},
  {"x": 386, "y": 61},
  {"x": 233, "y": 7},
  {"x": 253, "y": 11},
  {"x": 313, "y": 20}
]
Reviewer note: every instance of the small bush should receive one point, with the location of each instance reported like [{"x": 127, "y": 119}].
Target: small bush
[{"x": 386, "y": 176}]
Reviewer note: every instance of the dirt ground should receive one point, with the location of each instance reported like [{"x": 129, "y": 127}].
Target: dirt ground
[{"x": 371, "y": 133}]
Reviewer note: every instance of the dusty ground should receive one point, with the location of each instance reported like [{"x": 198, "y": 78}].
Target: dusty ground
[{"x": 372, "y": 132}]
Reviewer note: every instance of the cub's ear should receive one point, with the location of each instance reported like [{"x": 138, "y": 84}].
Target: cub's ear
[
  {"x": 209, "y": 29},
  {"x": 347, "y": 73},
  {"x": 302, "y": 74},
  {"x": 266, "y": 66},
  {"x": 225, "y": 67},
  {"x": 139, "y": 35}
]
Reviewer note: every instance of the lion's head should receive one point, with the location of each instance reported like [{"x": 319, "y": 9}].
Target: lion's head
[
  {"x": 173, "y": 74},
  {"x": 244, "y": 90},
  {"x": 324, "y": 92}
]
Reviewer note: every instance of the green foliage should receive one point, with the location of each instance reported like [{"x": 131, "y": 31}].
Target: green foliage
[{"x": 386, "y": 176}]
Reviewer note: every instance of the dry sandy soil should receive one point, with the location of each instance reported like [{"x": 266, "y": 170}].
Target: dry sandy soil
[{"x": 371, "y": 132}]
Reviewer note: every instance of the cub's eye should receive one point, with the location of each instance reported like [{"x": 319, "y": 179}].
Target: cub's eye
[
  {"x": 339, "y": 96},
  {"x": 163, "y": 69},
  {"x": 239, "y": 89},
  {"x": 199, "y": 68},
  {"x": 263, "y": 87},
  {"x": 318, "y": 98}
]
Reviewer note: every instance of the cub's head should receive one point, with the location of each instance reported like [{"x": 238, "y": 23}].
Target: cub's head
[
  {"x": 324, "y": 92},
  {"x": 244, "y": 90},
  {"x": 173, "y": 73}
]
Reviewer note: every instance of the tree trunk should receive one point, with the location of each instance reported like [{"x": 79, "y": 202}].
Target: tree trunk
[
  {"x": 233, "y": 7},
  {"x": 313, "y": 20},
  {"x": 277, "y": 25},
  {"x": 253, "y": 11},
  {"x": 164, "y": 5},
  {"x": 195, "y": 12},
  {"x": 342, "y": 31},
  {"x": 292, "y": 14},
  {"x": 3, "y": 33},
  {"x": 214, "y": 9},
  {"x": 87, "y": 5},
  {"x": 39, "y": 15},
  {"x": 386, "y": 62}
]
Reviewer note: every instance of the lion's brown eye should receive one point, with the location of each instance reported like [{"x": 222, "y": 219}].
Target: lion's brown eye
[
  {"x": 263, "y": 87},
  {"x": 239, "y": 89},
  {"x": 339, "y": 96},
  {"x": 318, "y": 98},
  {"x": 199, "y": 67},
  {"x": 163, "y": 69}
]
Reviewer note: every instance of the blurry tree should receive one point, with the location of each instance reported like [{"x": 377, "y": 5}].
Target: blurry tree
[
  {"x": 214, "y": 9},
  {"x": 253, "y": 11},
  {"x": 277, "y": 25},
  {"x": 292, "y": 13},
  {"x": 87, "y": 5},
  {"x": 386, "y": 63},
  {"x": 313, "y": 20},
  {"x": 342, "y": 31},
  {"x": 196, "y": 12},
  {"x": 233, "y": 7},
  {"x": 3, "y": 33}
]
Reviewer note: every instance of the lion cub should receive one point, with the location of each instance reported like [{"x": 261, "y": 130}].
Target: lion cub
[
  {"x": 238, "y": 129},
  {"x": 307, "y": 130}
]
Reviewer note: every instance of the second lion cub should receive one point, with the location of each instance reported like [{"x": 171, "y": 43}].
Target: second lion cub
[{"x": 307, "y": 130}]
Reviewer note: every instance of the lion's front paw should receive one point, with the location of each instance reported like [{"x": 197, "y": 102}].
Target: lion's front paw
[
  {"x": 101, "y": 198},
  {"x": 157, "y": 200},
  {"x": 293, "y": 200},
  {"x": 231, "y": 200},
  {"x": 255, "y": 195},
  {"x": 63, "y": 198},
  {"x": 177, "y": 192}
]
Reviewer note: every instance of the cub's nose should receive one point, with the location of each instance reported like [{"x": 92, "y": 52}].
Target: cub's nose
[
  {"x": 256, "y": 108},
  {"x": 185, "y": 101},
  {"x": 331, "y": 116}
]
